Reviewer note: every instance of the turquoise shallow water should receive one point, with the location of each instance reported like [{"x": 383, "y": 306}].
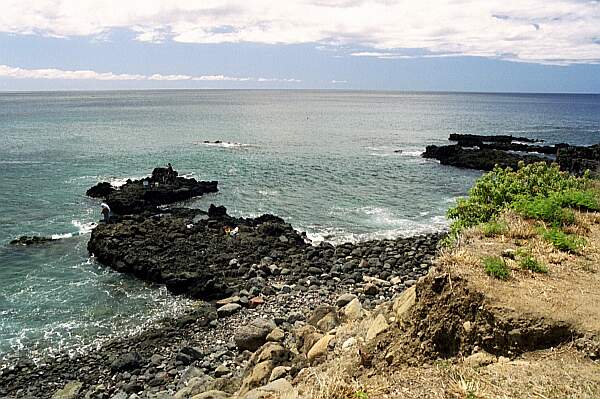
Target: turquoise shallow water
[{"x": 325, "y": 161}]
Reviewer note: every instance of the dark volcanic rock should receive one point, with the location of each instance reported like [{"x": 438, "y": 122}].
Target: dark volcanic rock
[
  {"x": 579, "y": 159},
  {"x": 100, "y": 190},
  {"x": 31, "y": 240},
  {"x": 482, "y": 159},
  {"x": 194, "y": 258},
  {"x": 489, "y": 139},
  {"x": 146, "y": 194},
  {"x": 484, "y": 152},
  {"x": 129, "y": 361},
  {"x": 216, "y": 211}
]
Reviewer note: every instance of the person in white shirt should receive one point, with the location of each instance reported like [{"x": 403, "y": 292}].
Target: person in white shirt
[{"x": 106, "y": 212}]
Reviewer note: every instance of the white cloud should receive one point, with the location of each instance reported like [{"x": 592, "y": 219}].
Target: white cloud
[
  {"x": 338, "y": 81},
  {"x": 381, "y": 55},
  {"x": 545, "y": 31},
  {"x": 60, "y": 74}
]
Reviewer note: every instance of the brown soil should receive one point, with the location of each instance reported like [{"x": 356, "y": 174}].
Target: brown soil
[{"x": 539, "y": 332}]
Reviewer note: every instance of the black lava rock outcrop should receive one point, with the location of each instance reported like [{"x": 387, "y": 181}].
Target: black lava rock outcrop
[
  {"x": 502, "y": 138},
  {"x": 163, "y": 187},
  {"x": 100, "y": 190},
  {"x": 477, "y": 158},
  {"x": 191, "y": 255},
  {"x": 579, "y": 159},
  {"x": 485, "y": 152}
]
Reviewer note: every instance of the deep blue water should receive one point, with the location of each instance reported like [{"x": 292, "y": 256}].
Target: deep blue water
[{"x": 323, "y": 160}]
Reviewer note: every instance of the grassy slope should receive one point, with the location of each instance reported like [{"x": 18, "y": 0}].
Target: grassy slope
[{"x": 404, "y": 365}]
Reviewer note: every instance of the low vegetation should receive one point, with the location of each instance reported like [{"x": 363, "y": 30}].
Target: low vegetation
[
  {"x": 493, "y": 228},
  {"x": 545, "y": 209},
  {"x": 538, "y": 189},
  {"x": 496, "y": 267},
  {"x": 563, "y": 241},
  {"x": 537, "y": 192},
  {"x": 529, "y": 262}
]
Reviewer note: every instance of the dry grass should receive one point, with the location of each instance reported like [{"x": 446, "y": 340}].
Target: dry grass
[
  {"x": 330, "y": 384},
  {"x": 545, "y": 374},
  {"x": 569, "y": 292}
]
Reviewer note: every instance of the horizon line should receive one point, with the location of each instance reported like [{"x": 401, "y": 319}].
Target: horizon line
[{"x": 3, "y": 92}]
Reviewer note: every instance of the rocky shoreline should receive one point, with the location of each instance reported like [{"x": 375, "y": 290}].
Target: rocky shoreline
[
  {"x": 485, "y": 152},
  {"x": 207, "y": 343},
  {"x": 261, "y": 278}
]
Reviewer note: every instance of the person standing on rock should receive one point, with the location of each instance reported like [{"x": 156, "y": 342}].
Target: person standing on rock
[
  {"x": 106, "y": 212},
  {"x": 170, "y": 173}
]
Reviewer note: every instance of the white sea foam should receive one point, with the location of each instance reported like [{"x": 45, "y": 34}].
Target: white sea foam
[
  {"x": 337, "y": 237},
  {"x": 121, "y": 181},
  {"x": 59, "y": 236},
  {"x": 84, "y": 227},
  {"x": 391, "y": 228},
  {"x": 268, "y": 193},
  {"x": 222, "y": 144},
  {"x": 411, "y": 153},
  {"x": 387, "y": 151}
]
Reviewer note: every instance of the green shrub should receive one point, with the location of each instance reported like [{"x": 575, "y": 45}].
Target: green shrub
[
  {"x": 493, "y": 229},
  {"x": 528, "y": 262},
  {"x": 547, "y": 209},
  {"x": 499, "y": 189},
  {"x": 496, "y": 267},
  {"x": 563, "y": 241},
  {"x": 360, "y": 394},
  {"x": 582, "y": 200}
]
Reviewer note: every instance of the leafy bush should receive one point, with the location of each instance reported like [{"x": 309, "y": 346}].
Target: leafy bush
[
  {"x": 528, "y": 262},
  {"x": 493, "y": 228},
  {"x": 496, "y": 267},
  {"x": 499, "y": 189},
  {"x": 546, "y": 209},
  {"x": 582, "y": 200},
  {"x": 563, "y": 241}
]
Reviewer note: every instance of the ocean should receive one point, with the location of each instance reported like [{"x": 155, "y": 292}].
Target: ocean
[{"x": 342, "y": 166}]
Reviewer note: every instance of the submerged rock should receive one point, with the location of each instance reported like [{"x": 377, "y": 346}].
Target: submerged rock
[{"x": 31, "y": 240}]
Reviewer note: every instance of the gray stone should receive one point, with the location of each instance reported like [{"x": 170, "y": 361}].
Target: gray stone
[
  {"x": 212, "y": 395},
  {"x": 228, "y": 310},
  {"x": 129, "y": 361},
  {"x": 69, "y": 391},
  {"x": 344, "y": 299},
  {"x": 378, "y": 326},
  {"x": 370, "y": 289},
  {"x": 156, "y": 359},
  {"x": 277, "y": 335},
  {"x": 221, "y": 371},
  {"x": 254, "y": 335},
  {"x": 279, "y": 372}
]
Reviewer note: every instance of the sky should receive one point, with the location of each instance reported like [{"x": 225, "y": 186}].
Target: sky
[{"x": 422, "y": 45}]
